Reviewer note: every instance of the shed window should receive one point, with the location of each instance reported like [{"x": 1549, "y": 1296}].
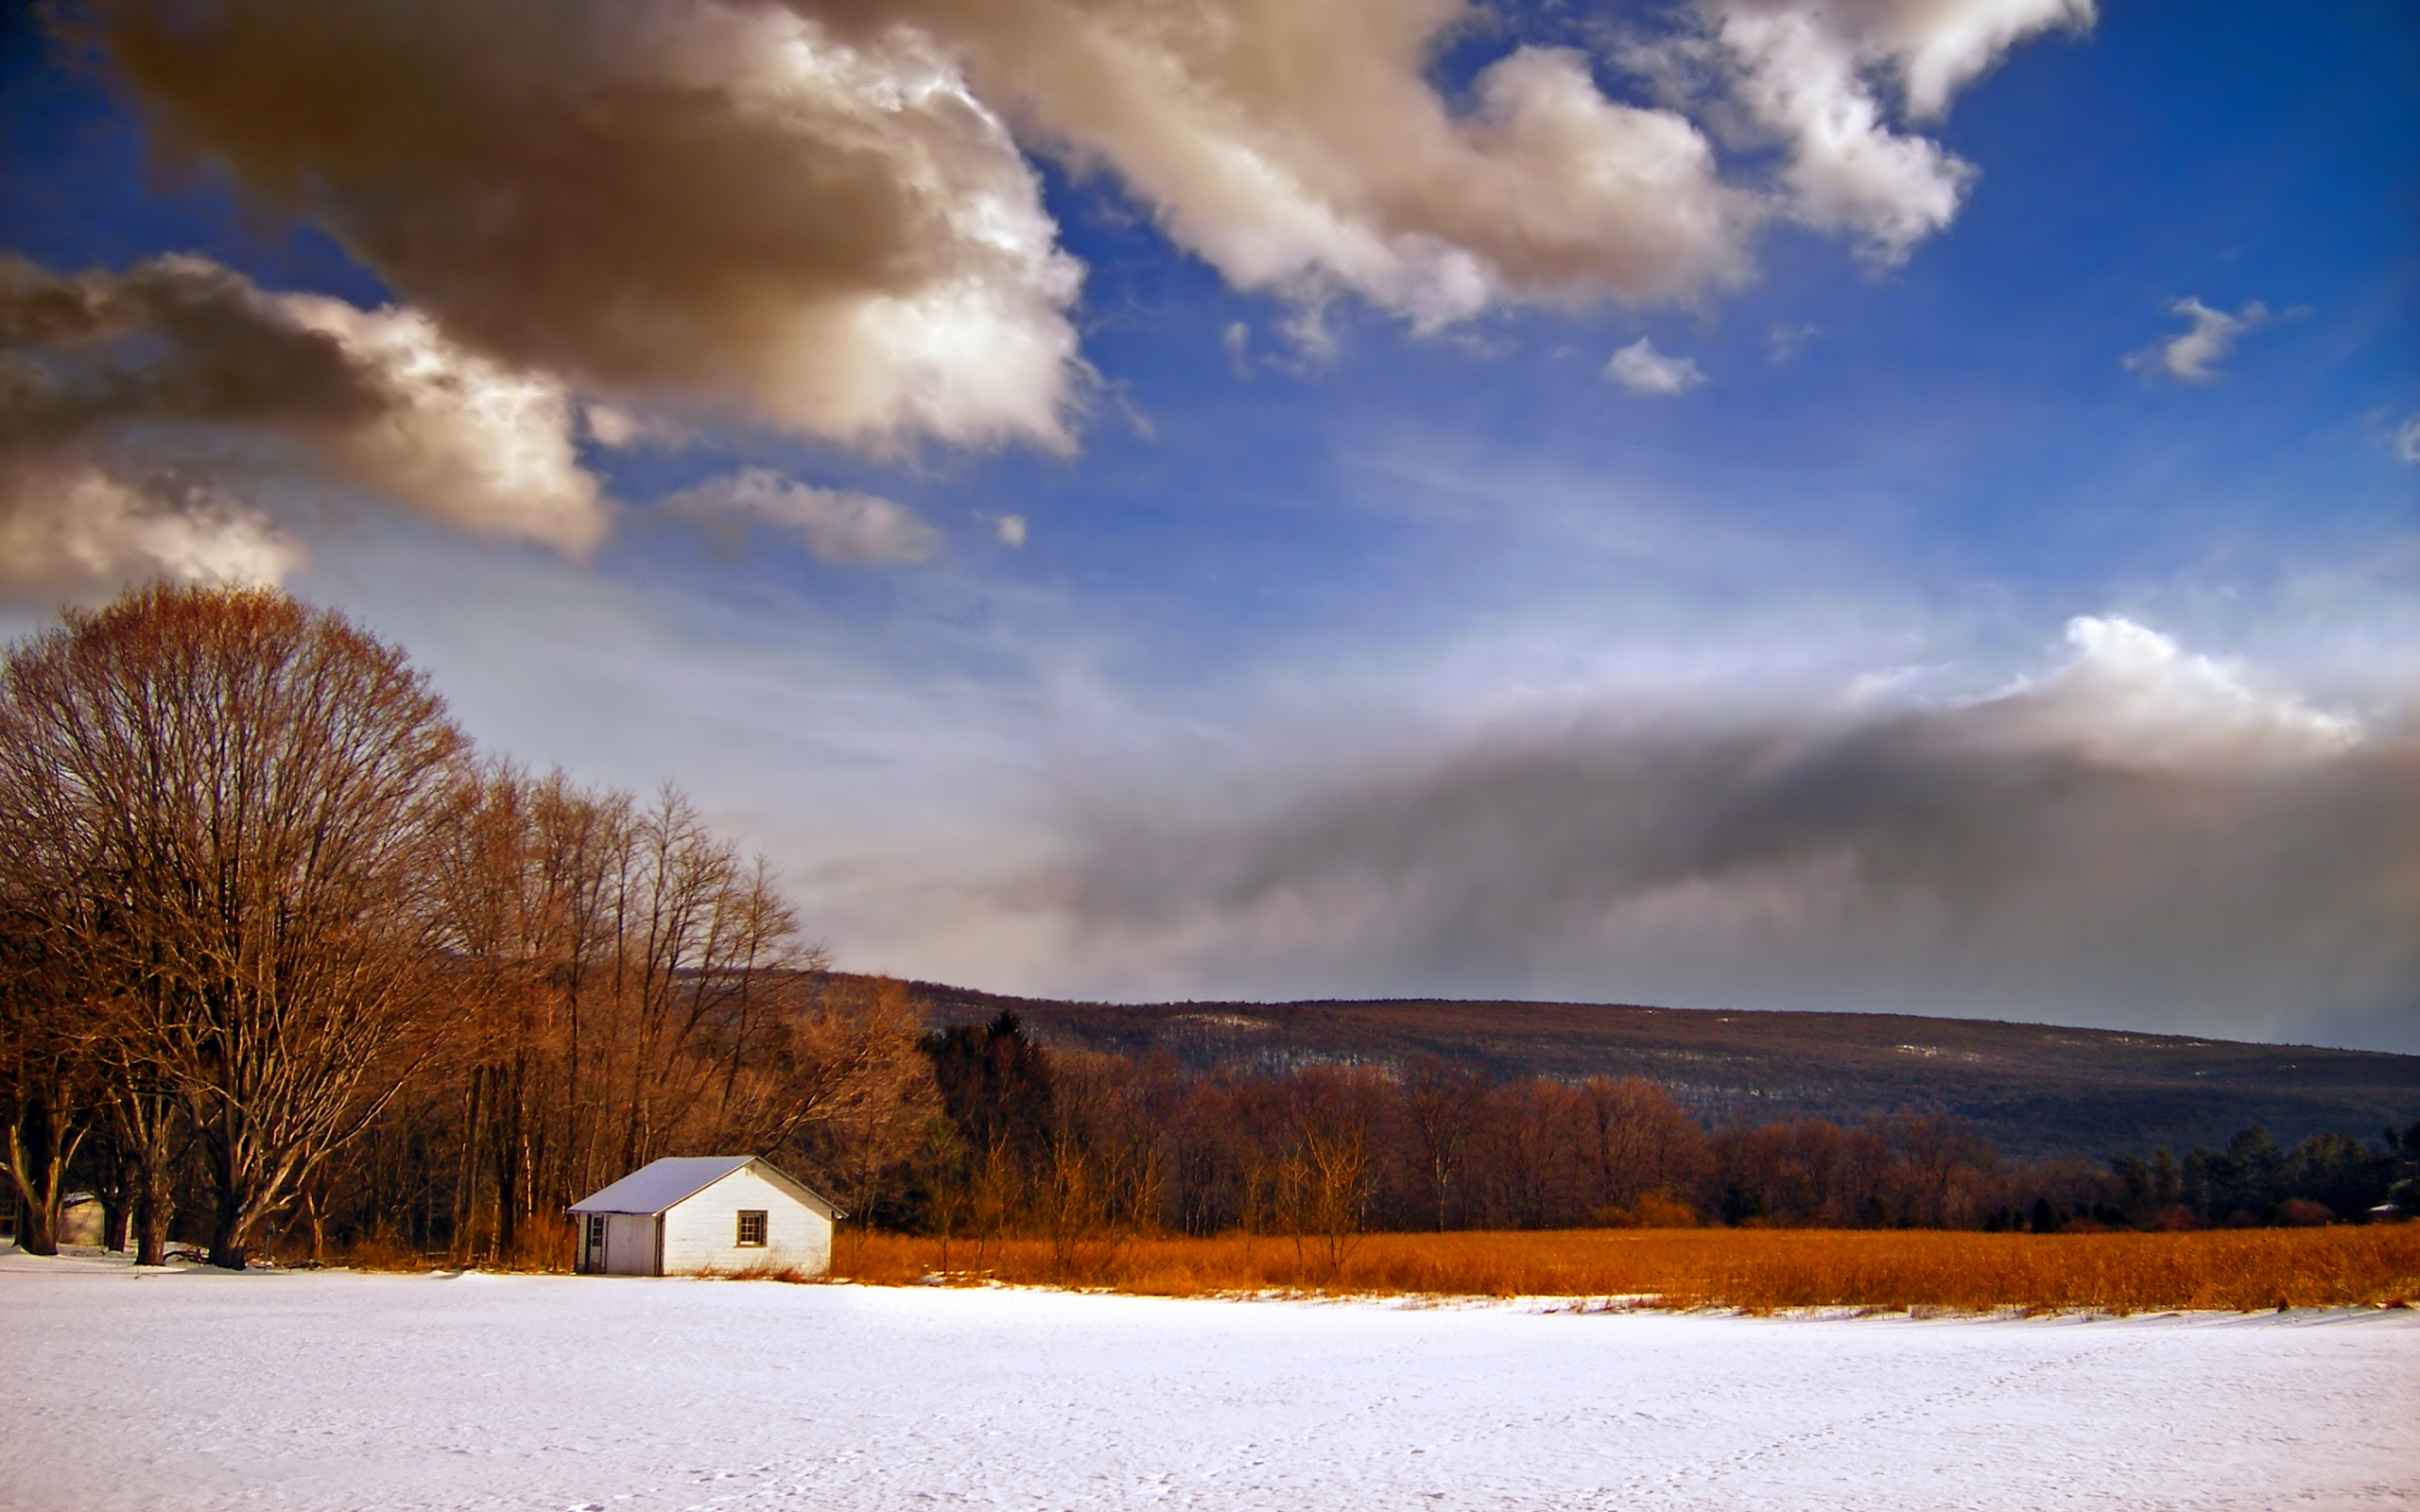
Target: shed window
[
  {"x": 751, "y": 1228},
  {"x": 595, "y": 1232}
]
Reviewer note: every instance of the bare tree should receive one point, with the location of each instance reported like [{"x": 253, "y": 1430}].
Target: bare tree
[
  {"x": 1639, "y": 1141},
  {"x": 245, "y": 790},
  {"x": 1444, "y": 1103},
  {"x": 47, "y": 1091},
  {"x": 841, "y": 1083},
  {"x": 1332, "y": 1118}
]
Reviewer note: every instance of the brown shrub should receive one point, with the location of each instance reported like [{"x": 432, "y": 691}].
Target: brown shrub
[
  {"x": 1657, "y": 1209},
  {"x": 380, "y": 1252}
]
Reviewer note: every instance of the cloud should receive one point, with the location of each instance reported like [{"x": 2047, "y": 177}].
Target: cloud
[
  {"x": 76, "y": 528},
  {"x": 1299, "y": 147},
  {"x": 838, "y": 526},
  {"x": 701, "y": 195},
  {"x": 1235, "y": 340},
  {"x": 618, "y": 429},
  {"x": 1784, "y": 342},
  {"x": 2210, "y": 335},
  {"x": 686, "y": 202},
  {"x": 821, "y": 215},
  {"x": 2139, "y": 835},
  {"x": 1642, "y": 370},
  {"x": 1816, "y": 76},
  {"x": 1010, "y": 528},
  {"x": 137, "y": 399},
  {"x": 2407, "y": 439},
  {"x": 2133, "y": 696}
]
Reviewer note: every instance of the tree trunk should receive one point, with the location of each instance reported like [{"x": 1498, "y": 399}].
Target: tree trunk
[
  {"x": 234, "y": 1216},
  {"x": 37, "y": 1229},
  {"x": 151, "y": 1217},
  {"x": 508, "y": 1148},
  {"x": 39, "y": 1169},
  {"x": 227, "y": 1236},
  {"x": 142, "y": 1119},
  {"x": 467, "y": 1178}
]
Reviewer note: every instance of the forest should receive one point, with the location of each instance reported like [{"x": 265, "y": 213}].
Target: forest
[{"x": 289, "y": 969}]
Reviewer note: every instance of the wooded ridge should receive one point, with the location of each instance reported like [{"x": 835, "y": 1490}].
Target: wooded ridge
[{"x": 2037, "y": 1091}]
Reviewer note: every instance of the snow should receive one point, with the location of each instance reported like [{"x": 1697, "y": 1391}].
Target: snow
[{"x": 195, "y": 1389}]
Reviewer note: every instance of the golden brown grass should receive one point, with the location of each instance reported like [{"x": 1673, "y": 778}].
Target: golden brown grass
[
  {"x": 1758, "y": 1270},
  {"x": 541, "y": 1248}
]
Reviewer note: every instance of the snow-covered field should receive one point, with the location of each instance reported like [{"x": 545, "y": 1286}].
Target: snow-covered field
[{"x": 193, "y": 1389}]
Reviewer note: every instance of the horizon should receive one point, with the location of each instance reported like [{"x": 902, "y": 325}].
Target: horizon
[
  {"x": 914, "y": 982},
  {"x": 1732, "y": 506}
]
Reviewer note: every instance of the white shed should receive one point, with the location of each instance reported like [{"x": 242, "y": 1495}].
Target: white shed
[{"x": 705, "y": 1215}]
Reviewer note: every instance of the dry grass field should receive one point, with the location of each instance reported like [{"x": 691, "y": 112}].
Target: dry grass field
[{"x": 1758, "y": 1270}]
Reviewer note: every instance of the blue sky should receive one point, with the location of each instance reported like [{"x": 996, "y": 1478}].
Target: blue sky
[{"x": 1304, "y": 621}]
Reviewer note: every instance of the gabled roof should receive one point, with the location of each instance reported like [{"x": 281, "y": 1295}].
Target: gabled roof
[
  {"x": 660, "y": 1184},
  {"x": 666, "y": 1184}
]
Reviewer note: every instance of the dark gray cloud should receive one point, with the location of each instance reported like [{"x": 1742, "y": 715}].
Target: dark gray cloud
[{"x": 2140, "y": 839}]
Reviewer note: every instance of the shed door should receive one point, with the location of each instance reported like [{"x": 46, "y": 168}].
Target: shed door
[{"x": 629, "y": 1244}]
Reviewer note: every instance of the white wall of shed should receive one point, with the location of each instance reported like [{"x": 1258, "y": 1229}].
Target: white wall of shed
[
  {"x": 81, "y": 1223},
  {"x": 701, "y": 1233},
  {"x": 629, "y": 1244}
]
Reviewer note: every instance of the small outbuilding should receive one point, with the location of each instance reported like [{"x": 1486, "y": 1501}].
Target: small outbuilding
[{"x": 705, "y": 1215}]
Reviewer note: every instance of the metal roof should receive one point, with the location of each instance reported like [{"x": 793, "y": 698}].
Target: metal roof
[
  {"x": 660, "y": 1184},
  {"x": 676, "y": 1179}
]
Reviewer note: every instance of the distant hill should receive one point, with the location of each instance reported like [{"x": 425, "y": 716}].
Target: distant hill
[{"x": 2036, "y": 1091}]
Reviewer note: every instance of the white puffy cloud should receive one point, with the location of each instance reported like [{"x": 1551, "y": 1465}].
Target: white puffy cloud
[
  {"x": 1784, "y": 342},
  {"x": 1011, "y": 529},
  {"x": 1642, "y": 370},
  {"x": 2407, "y": 439},
  {"x": 2133, "y": 696},
  {"x": 1303, "y": 146},
  {"x": 136, "y": 402},
  {"x": 838, "y": 526},
  {"x": 814, "y": 212},
  {"x": 457, "y": 437},
  {"x": 820, "y": 214},
  {"x": 2194, "y": 357},
  {"x": 75, "y": 528},
  {"x": 1819, "y": 77}
]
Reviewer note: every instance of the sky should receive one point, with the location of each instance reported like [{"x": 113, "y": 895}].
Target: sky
[{"x": 1886, "y": 505}]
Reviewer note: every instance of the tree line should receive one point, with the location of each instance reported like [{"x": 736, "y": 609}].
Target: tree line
[
  {"x": 1074, "y": 1144},
  {"x": 285, "y": 962}
]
